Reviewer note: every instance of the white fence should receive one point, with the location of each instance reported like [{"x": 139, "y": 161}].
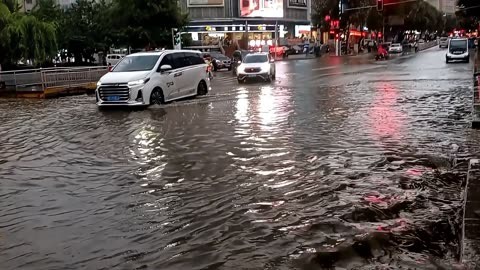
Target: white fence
[{"x": 52, "y": 77}]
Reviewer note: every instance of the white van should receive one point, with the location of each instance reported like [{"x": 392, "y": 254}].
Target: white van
[
  {"x": 147, "y": 78},
  {"x": 457, "y": 50},
  {"x": 113, "y": 59}
]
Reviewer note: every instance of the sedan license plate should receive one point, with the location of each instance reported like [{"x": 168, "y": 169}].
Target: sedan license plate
[
  {"x": 252, "y": 76},
  {"x": 113, "y": 98}
]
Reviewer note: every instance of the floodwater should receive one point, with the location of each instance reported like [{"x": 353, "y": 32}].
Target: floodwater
[{"x": 345, "y": 166}]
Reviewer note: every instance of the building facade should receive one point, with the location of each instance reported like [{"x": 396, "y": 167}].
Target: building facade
[
  {"x": 28, "y": 5},
  {"x": 434, "y": 3},
  {"x": 448, "y": 6},
  {"x": 262, "y": 21}
]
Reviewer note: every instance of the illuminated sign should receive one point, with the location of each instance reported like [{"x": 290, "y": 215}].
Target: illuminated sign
[
  {"x": 297, "y": 4},
  {"x": 261, "y": 8},
  {"x": 334, "y": 24},
  {"x": 205, "y": 3}
]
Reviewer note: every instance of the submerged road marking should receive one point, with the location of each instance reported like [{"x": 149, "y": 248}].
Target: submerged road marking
[{"x": 332, "y": 67}]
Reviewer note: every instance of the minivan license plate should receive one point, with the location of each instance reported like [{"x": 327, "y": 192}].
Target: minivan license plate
[{"x": 113, "y": 98}]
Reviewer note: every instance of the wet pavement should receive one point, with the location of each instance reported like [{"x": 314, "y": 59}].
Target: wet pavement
[{"x": 341, "y": 162}]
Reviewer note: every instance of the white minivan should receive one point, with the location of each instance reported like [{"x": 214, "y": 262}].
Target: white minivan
[
  {"x": 113, "y": 59},
  {"x": 457, "y": 50},
  {"x": 147, "y": 78}
]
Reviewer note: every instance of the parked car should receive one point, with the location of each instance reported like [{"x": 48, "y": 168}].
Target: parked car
[
  {"x": 256, "y": 65},
  {"x": 143, "y": 79},
  {"x": 395, "y": 48},
  {"x": 457, "y": 50},
  {"x": 113, "y": 59},
  {"x": 292, "y": 50},
  {"x": 220, "y": 61},
  {"x": 443, "y": 42}
]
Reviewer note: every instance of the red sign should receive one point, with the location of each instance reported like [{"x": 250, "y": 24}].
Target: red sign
[{"x": 335, "y": 24}]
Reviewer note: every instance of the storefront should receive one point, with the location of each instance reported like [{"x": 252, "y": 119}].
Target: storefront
[
  {"x": 248, "y": 23},
  {"x": 256, "y": 35}
]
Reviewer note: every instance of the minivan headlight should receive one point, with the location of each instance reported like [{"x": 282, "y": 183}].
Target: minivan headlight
[{"x": 138, "y": 82}]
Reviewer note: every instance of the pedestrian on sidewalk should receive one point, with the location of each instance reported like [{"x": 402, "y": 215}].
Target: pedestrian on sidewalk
[{"x": 306, "y": 49}]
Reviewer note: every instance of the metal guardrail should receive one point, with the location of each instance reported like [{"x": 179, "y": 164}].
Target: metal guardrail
[
  {"x": 52, "y": 77},
  {"x": 427, "y": 45}
]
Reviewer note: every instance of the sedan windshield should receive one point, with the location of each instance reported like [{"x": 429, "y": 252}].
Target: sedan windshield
[
  {"x": 260, "y": 58},
  {"x": 136, "y": 63},
  {"x": 458, "y": 44}
]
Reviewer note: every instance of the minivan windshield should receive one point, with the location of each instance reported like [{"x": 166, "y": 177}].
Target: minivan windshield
[
  {"x": 458, "y": 44},
  {"x": 136, "y": 63},
  {"x": 259, "y": 58}
]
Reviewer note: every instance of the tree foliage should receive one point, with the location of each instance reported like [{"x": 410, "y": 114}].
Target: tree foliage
[
  {"x": 148, "y": 22},
  {"x": 88, "y": 26},
  {"x": 472, "y": 8},
  {"x": 24, "y": 36}
]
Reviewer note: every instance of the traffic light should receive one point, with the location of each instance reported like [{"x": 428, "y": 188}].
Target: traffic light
[{"x": 380, "y": 5}]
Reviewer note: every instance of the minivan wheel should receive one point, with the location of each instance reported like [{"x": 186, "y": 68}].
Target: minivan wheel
[
  {"x": 156, "y": 97},
  {"x": 202, "y": 89}
]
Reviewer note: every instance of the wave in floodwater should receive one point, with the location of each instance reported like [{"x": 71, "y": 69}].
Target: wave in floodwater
[{"x": 364, "y": 176}]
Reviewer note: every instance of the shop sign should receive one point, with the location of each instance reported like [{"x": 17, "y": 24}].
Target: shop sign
[
  {"x": 261, "y": 8},
  {"x": 205, "y": 3},
  {"x": 297, "y": 4},
  {"x": 334, "y": 24}
]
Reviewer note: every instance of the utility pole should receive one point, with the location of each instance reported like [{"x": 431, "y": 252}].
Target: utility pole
[{"x": 173, "y": 37}]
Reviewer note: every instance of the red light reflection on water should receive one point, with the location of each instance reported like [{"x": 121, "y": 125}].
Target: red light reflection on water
[{"x": 386, "y": 121}]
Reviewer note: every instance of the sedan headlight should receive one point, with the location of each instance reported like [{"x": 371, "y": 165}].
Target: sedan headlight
[{"x": 138, "y": 82}]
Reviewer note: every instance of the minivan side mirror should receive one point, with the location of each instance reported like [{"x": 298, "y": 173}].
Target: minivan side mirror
[{"x": 165, "y": 68}]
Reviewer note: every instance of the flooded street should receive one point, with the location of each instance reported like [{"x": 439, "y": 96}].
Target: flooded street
[{"x": 341, "y": 162}]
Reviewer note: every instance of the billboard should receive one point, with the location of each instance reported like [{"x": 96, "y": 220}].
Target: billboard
[
  {"x": 205, "y": 3},
  {"x": 297, "y": 4},
  {"x": 261, "y": 8}
]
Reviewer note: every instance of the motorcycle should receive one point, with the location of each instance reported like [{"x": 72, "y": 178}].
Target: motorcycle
[{"x": 381, "y": 56}]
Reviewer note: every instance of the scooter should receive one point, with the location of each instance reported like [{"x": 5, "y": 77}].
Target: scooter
[{"x": 381, "y": 56}]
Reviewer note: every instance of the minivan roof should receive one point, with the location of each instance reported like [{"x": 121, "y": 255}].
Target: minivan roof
[{"x": 164, "y": 51}]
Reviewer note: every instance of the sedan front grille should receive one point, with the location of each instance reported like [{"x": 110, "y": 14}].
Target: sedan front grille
[{"x": 114, "y": 92}]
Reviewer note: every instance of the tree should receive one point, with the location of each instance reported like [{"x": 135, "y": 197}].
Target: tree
[
  {"x": 322, "y": 8},
  {"x": 374, "y": 20},
  {"x": 471, "y": 8},
  {"x": 148, "y": 23},
  {"x": 23, "y": 36},
  {"x": 85, "y": 29}
]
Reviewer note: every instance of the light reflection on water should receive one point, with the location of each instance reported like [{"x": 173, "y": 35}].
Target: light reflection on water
[{"x": 260, "y": 179}]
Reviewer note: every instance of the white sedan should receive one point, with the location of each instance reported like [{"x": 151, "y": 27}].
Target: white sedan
[{"x": 395, "y": 48}]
